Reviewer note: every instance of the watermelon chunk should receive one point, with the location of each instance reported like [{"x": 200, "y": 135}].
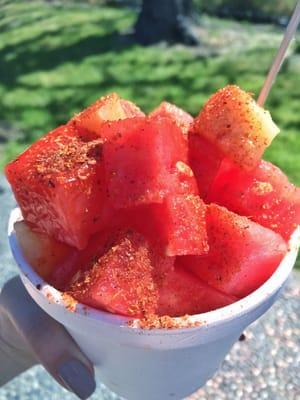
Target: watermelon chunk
[
  {"x": 183, "y": 225},
  {"x": 59, "y": 186},
  {"x": 242, "y": 255},
  {"x": 140, "y": 161},
  {"x": 65, "y": 273},
  {"x": 43, "y": 254},
  {"x": 108, "y": 108},
  {"x": 110, "y": 202},
  {"x": 234, "y": 123},
  {"x": 125, "y": 279},
  {"x": 58, "y": 263},
  {"x": 205, "y": 160},
  {"x": 183, "y": 293},
  {"x": 175, "y": 227},
  {"x": 182, "y": 179},
  {"x": 264, "y": 195},
  {"x": 182, "y": 119}
]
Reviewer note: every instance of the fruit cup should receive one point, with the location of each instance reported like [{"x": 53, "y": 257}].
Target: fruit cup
[{"x": 156, "y": 364}]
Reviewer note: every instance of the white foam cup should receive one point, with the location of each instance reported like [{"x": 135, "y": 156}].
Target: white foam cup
[{"x": 157, "y": 364}]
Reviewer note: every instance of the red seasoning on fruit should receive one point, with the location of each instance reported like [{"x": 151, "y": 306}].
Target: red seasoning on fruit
[
  {"x": 125, "y": 279},
  {"x": 59, "y": 185},
  {"x": 140, "y": 160},
  {"x": 264, "y": 194},
  {"x": 108, "y": 108},
  {"x": 119, "y": 208},
  {"x": 242, "y": 255},
  {"x": 179, "y": 116},
  {"x": 237, "y": 126}
]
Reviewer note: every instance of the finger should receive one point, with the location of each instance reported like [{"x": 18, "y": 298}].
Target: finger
[
  {"x": 15, "y": 356},
  {"x": 50, "y": 343}
]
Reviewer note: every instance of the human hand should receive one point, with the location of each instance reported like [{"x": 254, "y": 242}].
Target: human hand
[{"x": 29, "y": 336}]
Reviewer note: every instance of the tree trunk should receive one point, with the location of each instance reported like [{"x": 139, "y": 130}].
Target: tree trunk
[{"x": 165, "y": 20}]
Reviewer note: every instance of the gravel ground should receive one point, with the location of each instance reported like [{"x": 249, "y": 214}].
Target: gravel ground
[{"x": 266, "y": 365}]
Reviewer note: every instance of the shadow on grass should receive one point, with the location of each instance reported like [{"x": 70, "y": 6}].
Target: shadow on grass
[{"x": 28, "y": 60}]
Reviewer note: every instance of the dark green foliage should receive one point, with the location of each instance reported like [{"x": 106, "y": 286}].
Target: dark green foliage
[{"x": 253, "y": 10}]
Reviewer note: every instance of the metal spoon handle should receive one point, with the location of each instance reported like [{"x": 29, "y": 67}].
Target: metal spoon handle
[{"x": 289, "y": 34}]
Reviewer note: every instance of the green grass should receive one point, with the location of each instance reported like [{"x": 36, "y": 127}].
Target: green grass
[{"x": 56, "y": 59}]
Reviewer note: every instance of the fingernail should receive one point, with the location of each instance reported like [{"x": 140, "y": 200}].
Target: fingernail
[{"x": 77, "y": 378}]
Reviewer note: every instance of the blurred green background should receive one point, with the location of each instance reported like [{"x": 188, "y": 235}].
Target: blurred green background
[{"x": 58, "y": 56}]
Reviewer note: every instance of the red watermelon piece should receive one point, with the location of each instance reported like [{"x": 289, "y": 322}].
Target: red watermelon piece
[
  {"x": 111, "y": 198},
  {"x": 125, "y": 279},
  {"x": 140, "y": 161},
  {"x": 59, "y": 185},
  {"x": 183, "y": 225},
  {"x": 182, "y": 179},
  {"x": 64, "y": 274},
  {"x": 175, "y": 227},
  {"x": 205, "y": 160},
  {"x": 182, "y": 119},
  {"x": 121, "y": 221},
  {"x": 183, "y": 293},
  {"x": 265, "y": 195},
  {"x": 242, "y": 255},
  {"x": 108, "y": 108}
]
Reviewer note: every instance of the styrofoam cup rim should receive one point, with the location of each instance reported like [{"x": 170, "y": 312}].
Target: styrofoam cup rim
[{"x": 208, "y": 319}]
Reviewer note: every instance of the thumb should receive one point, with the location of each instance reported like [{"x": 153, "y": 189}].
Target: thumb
[{"x": 50, "y": 344}]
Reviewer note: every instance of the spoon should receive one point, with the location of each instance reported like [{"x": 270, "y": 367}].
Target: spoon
[{"x": 288, "y": 36}]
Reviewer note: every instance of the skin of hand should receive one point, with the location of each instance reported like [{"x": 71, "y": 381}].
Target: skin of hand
[{"x": 29, "y": 336}]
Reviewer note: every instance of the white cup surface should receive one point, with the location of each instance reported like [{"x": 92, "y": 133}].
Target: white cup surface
[{"x": 157, "y": 364}]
